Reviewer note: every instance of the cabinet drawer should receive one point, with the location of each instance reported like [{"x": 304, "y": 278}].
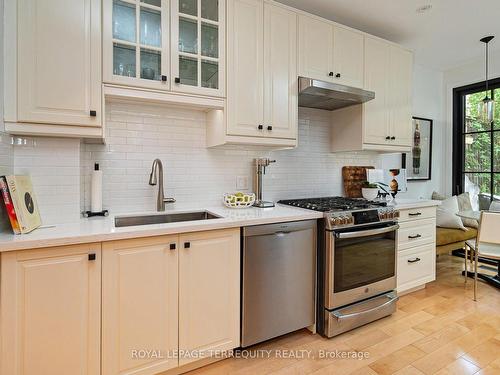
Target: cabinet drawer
[
  {"x": 417, "y": 213},
  {"x": 416, "y": 233},
  {"x": 416, "y": 266}
]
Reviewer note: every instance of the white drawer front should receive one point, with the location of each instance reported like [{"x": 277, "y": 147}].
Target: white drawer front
[
  {"x": 416, "y": 233},
  {"x": 417, "y": 213},
  {"x": 416, "y": 267}
]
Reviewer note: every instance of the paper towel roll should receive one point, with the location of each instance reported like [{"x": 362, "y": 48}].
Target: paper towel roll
[{"x": 96, "y": 190}]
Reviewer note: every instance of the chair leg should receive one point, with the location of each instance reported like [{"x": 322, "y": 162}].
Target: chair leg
[
  {"x": 466, "y": 248},
  {"x": 476, "y": 258}
]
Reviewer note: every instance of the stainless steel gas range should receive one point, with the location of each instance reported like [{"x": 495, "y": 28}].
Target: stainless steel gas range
[{"x": 356, "y": 261}]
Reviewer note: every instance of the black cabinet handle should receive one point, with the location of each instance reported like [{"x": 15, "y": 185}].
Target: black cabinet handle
[
  {"x": 330, "y": 74},
  {"x": 164, "y": 78},
  {"x": 260, "y": 127},
  {"x": 269, "y": 128},
  {"x": 414, "y": 260},
  {"x": 177, "y": 80},
  {"x": 187, "y": 245},
  {"x": 93, "y": 113},
  {"x": 387, "y": 138},
  {"x": 337, "y": 75},
  {"x": 172, "y": 246},
  {"x": 414, "y": 214},
  {"x": 415, "y": 236},
  {"x": 393, "y": 138},
  {"x": 92, "y": 256}
]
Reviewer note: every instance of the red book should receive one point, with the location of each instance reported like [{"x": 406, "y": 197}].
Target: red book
[{"x": 4, "y": 189}]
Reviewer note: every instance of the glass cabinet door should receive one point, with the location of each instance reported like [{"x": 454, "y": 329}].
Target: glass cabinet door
[
  {"x": 197, "y": 38},
  {"x": 139, "y": 38}
]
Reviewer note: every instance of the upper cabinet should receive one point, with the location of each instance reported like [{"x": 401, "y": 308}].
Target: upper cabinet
[
  {"x": 330, "y": 53},
  {"x": 175, "y": 45},
  {"x": 53, "y": 68},
  {"x": 384, "y": 123},
  {"x": 262, "y": 88}
]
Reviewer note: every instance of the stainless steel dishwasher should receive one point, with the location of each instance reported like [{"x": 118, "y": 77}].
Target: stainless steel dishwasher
[{"x": 279, "y": 273}]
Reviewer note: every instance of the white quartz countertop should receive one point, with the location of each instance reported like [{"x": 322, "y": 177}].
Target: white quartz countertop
[
  {"x": 101, "y": 229},
  {"x": 404, "y": 203}
]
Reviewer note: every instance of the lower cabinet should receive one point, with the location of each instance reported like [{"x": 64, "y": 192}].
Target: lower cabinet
[
  {"x": 416, "y": 242},
  {"x": 139, "y": 305},
  {"x": 166, "y": 301},
  {"x": 209, "y": 293},
  {"x": 51, "y": 311}
]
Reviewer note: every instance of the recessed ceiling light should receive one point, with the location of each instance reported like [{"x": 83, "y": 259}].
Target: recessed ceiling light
[{"x": 424, "y": 8}]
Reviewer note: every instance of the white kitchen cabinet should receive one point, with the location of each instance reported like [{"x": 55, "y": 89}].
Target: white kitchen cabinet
[
  {"x": 416, "y": 248},
  {"x": 176, "y": 45},
  {"x": 383, "y": 123},
  {"x": 139, "y": 305},
  {"x": 262, "y": 77},
  {"x": 330, "y": 53},
  {"x": 198, "y": 46},
  {"x": 50, "y": 311},
  {"x": 136, "y": 44},
  {"x": 209, "y": 292},
  {"x": 53, "y": 68},
  {"x": 315, "y": 48}
]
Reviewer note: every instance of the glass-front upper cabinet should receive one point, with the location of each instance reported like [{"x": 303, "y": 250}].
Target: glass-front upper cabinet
[
  {"x": 136, "y": 43},
  {"x": 198, "y": 29}
]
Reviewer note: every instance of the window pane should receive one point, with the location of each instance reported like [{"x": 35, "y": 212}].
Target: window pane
[
  {"x": 210, "y": 9},
  {"x": 123, "y": 21},
  {"x": 472, "y": 123},
  {"x": 496, "y": 151},
  {"x": 188, "y": 36},
  {"x": 209, "y": 74},
  {"x": 150, "y": 64},
  {"x": 188, "y": 71},
  {"x": 150, "y": 27},
  {"x": 478, "y": 185},
  {"x": 188, "y": 7},
  {"x": 123, "y": 60},
  {"x": 152, "y": 2},
  {"x": 478, "y": 152},
  {"x": 209, "y": 40},
  {"x": 496, "y": 112}
]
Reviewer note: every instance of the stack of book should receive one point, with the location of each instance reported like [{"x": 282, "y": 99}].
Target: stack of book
[{"x": 20, "y": 203}]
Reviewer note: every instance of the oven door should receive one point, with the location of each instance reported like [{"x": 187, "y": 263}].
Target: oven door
[{"x": 361, "y": 263}]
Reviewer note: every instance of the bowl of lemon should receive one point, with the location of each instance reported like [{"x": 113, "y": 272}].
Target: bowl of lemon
[{"x": 238, "y": 200}]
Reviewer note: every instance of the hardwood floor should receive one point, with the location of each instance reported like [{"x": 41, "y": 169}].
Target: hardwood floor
[{"x": 437, "y": 330}]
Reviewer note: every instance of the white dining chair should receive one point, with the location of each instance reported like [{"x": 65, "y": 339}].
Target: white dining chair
[{"x": 487, "y": 244}]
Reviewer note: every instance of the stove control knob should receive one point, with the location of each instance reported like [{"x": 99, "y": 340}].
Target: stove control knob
[
  {"x": 390, "y": 214},
  {"x": 396, "y": 214}
]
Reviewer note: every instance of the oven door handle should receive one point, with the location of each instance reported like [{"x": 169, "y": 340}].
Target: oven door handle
[{"x": 369, "y": 232}]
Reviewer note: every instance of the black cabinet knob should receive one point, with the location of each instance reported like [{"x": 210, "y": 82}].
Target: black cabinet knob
[
  {"x": 92, "y": 256},
  {"x": 387, "y": 138},
  {"x": 393, "y": 138},
  {"x": 330, "y": 74},
  {"x": 93, "y": 113},
  {"x": 337, "y": 75},
  {"x": 269, "y": 128},
  {"x": 187, "y": 245},
  {"x": 260, "y": 127},
  {"x": 172, "y": 246},
  {"x": 164, "y": 78},
  {"x": 177, "y": 80}
]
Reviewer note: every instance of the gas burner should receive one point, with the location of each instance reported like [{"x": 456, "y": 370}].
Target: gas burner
[{"x": 329, "y": 204}]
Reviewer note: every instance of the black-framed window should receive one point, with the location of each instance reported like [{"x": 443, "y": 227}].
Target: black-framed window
[{"x": 476, "y": 145}]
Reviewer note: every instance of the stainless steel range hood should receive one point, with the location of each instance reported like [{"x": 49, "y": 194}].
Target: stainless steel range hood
[{"x": 318, "y": 94}]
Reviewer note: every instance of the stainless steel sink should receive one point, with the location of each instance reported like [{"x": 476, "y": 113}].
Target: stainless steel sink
[{"x": 128, "y": 221}]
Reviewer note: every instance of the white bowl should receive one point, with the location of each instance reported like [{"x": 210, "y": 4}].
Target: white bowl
[
  {"x": 242, "y": 201},
  {"x": 369, "y": 193}
]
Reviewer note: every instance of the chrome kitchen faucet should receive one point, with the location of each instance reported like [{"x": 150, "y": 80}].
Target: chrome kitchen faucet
[{"x": 154, "y": 180}]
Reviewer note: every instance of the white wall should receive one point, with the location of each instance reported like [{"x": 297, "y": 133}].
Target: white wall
[
  {"x": 462, "y": 75},
  {"x": 427, "y": 103}
]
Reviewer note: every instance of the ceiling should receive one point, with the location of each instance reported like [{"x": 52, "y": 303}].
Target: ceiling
[{"x": 443, "y": 37}]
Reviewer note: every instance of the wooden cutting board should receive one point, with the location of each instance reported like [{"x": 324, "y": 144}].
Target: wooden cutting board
[{"x": 353, "y": 180}]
